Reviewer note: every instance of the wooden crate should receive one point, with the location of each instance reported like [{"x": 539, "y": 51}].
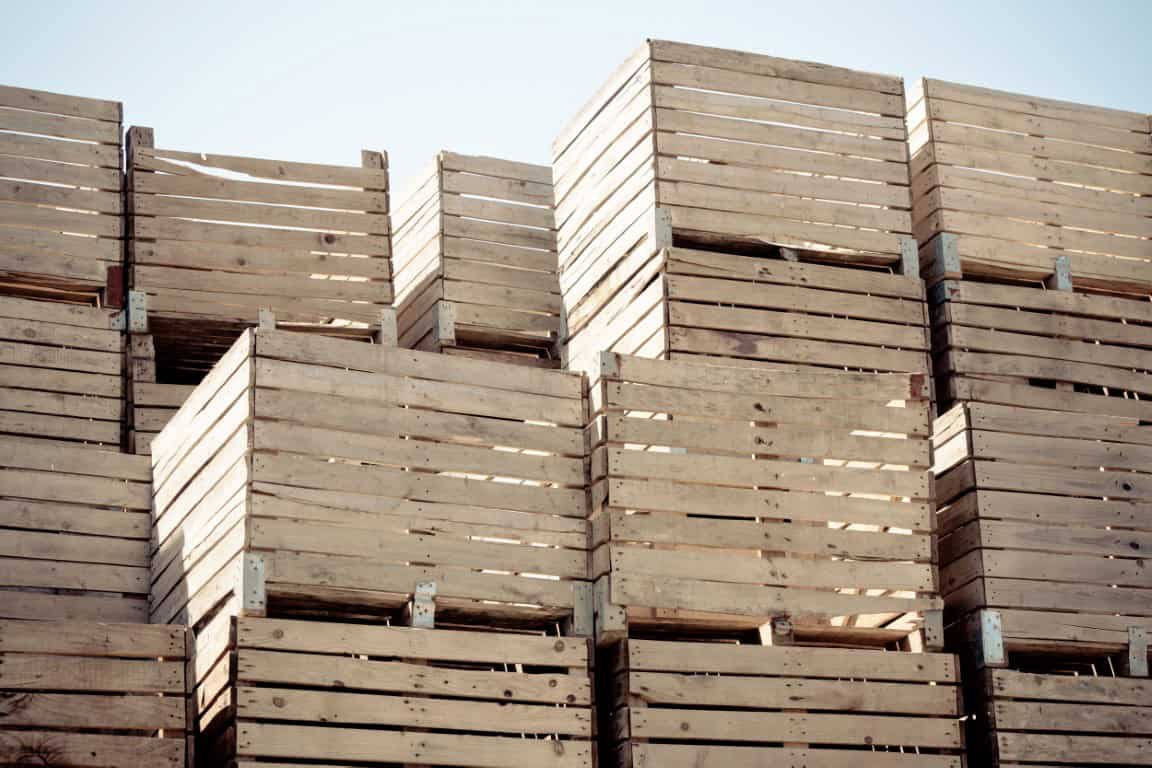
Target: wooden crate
[
  {"x": 332, "y": 694},
  {"x": 61, "y": 215},
  {"x": 61, "y": 372},
  {"x": 1044, "y": 520},
  {"x": 163, "y": 370},
  {"x": 1006, "y": 184},
  {"x": 476, "y": 261},
  {"x": 699, "y": 705},
  {"x": 86, "y": 695},
  {"x": 1054, "y": 349},
  {"x": 747, "y": 310},
  {"x": 1049, "y": 720},
  {"x": 73, "y": 532},
  {"x": 725, "y": 497},
  {"x": 730, "y": 151},
  {"x": 311, "y": 474},
  {"x": 311, "y": 243}
]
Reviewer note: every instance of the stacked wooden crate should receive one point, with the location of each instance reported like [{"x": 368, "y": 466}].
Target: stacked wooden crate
[
  {"x": 1033, "y": 218},
  {"x": 74, "y": 520},
  {"x": 739, "y": 507},
  {"x": 476, "y": 261},
  {"x": 709, "y": 202},
  {"x": 73, "y": 532},
  {"x": 1014, "y": 194},
  {"x": 87, "y": 695},
  {"x": 61, "y": 372},
  {"x": 61, "y": 228},
  {"x": 306, "y": 478},
  {"x": 219, "y": 243}
]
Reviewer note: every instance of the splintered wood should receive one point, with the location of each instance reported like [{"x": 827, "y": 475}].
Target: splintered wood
[
  {"x": 1019, "y": 181},
  {"x": 1045, "y": 518},
  {"x": 335, "y": 695},
  {"x": 685, "y": 705},
  {"x": 61, "y": 372},
  {"x": 328, "y": 475},
  {"x": 217, "y": 238},
  {"x": 85, "y": 695},
  {"x": 61, "y": 224},
  {"x": 726, "y": 496},
  {"x": 1051, "y": 720},
  {"x": 705, "y": 147},
  {"x": 73, "y": 532},
  {"x": 1057, "y": 350},
  {"x": 476, "y": 261}
]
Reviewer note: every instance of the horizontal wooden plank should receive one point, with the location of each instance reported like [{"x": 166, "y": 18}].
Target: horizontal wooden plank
[
  {"x": 797, "y": 661},
  {"x": 324, "y": 743},
  {"x": 93, "y": 750},
  {"x": 753, "y": 756},
  {"x": 276, "y": 170},
  {"x": 739, "y": 726}
]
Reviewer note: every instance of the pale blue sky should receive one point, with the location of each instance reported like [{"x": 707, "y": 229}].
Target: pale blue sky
[{"x": 316, "y": 81}]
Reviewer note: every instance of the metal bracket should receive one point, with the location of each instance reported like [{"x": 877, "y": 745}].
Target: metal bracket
[
  {"x": 609, "y": 365},
  {"x": 945, "y": 257},
  {"x": 582, "y": 623},
  {"x": 444, "y": 329},
  {"x": 386, "y": 334},
  {"x": 266, "y": 319},
  {"x": 423, "y": 607},
  {"x": 1135, "y": 661},
  {"x": 253, "y": 596},
  {"x": 661, "y": 233},
  {"x": 120, "y": 321},
  {"x": 909, "y": 257},
  {"x": 1061, "y": 277},
  {"x": 986, "y": 637},
  {"x": 611, "y": 620},
  {"x": 933, "y": 630},
  {"x": 137, "y": 312}
]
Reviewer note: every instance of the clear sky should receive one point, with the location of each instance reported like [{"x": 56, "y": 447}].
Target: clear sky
[{"x": 318, "y": 81}]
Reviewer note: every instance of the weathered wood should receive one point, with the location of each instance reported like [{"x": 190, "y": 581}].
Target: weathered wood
[
  {"x": 88, "y": 694},
  {"x": 297, "y": 230},
  {"x": 1043, "y": 518},
  {"x": 1060, "y": 718},
  {"x": 61, "y": 218},
  {"x": 352, "y": 477},
  {"x": 1055, "y": 349},
  {"x": 334, "y": 693},
  {"x": 672, "y": 701},
  {"x": 738, "y": 153},
  {"x": 75, "y": 523},
  {"x": 476, "y": 261},
  {"x": 725, "y": 496},
  {"x": 1020, "y": 181}
]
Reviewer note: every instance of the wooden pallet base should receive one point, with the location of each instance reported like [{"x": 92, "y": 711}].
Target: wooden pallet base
[{"x": 80, "y": 695}]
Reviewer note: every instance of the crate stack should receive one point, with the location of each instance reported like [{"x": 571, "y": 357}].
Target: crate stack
[
  {"x": 476, "y": 261},
  {"x": 714, "y": 203},
  {"x": 1036, "y": 243},
  {"x": 218, "y": 244},
  {"x": 382, "y": 554},
  {"x": 74, "y": 516},
  {"x": 765, "y": 584}
]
